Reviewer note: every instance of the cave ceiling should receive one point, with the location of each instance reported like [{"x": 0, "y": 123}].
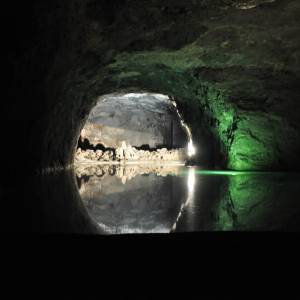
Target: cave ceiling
[{"x": 233, "y": 68}]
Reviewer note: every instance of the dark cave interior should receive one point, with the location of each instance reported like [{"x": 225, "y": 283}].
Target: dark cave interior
[{"x": 231, "y": 66}]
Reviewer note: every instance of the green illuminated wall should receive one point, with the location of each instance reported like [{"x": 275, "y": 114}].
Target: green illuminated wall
[
  {"x": 250, "y": 137},
  {"x": 258, "y": 202}
]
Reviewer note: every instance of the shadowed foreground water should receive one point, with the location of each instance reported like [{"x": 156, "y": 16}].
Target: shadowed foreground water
[{"x": 164, "y": 199}]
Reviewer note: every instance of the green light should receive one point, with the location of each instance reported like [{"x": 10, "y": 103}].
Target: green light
[
  {"x": 249, "y": 139},
  {"x": 231, "y": 173},
  {"x": 257, "y": 201}
]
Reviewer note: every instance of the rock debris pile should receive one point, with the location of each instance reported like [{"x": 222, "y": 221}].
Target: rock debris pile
[{"x": 129, "y": 153}]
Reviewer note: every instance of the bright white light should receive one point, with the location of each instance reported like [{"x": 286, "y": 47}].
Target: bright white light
[
  {"x": 133, "y": 95},
  {"x": 190, "y": 194},
  {"x": 191, "y": 183},
  {"x": 140, "y": 95},
  {"x": 191, "y": 148},
  {"x": 161, "y": 96}
]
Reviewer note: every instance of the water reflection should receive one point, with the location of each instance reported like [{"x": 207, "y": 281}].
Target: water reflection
[{"x": 172, "y": 198}]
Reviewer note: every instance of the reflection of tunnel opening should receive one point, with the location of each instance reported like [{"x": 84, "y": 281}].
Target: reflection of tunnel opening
[{"x": 134, "y": 127}]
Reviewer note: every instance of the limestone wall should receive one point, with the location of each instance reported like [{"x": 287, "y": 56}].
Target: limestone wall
[{"x": 139, "y": 119}]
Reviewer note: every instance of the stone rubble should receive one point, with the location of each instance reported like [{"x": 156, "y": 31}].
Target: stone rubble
[{"x": 128, "y": 153}]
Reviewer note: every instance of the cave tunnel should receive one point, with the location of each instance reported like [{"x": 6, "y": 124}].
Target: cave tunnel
[
  {"x": 140, "y": 122},
  {"x": 92, "y": 77}
]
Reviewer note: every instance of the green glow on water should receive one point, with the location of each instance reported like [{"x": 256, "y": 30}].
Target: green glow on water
[
  {"x": 230, "y": 173},
  {"x": 254, "y": 202}
]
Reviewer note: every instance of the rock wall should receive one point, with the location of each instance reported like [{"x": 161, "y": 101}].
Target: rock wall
[{"x": 137, "y": 119}]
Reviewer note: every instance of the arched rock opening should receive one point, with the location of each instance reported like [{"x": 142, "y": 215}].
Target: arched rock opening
[
  {"x": 134, "y": 127},
  {"x": 232, "y": 69},
  {"x": 83, "y": 95}
]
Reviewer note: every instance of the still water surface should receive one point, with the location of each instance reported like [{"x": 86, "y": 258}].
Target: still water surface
[{"x": 169, "y": 198}]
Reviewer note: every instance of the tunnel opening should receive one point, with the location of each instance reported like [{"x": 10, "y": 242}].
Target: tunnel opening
[{"x": 134, "y": 128}]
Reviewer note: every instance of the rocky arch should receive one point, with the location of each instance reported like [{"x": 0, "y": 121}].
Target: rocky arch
[
  {"x": 235, "y": 79},
  {"x": 59, "y": 146}
]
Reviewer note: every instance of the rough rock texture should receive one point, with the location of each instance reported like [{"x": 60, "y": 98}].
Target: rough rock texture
[
  {"x": 138, "y": 119},
  {"x": 232, "y": 67},
  {"x": 130, "y": 154}
]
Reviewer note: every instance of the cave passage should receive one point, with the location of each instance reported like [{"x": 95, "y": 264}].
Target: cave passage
[
  {"x": 134, "y": 128},
  {"x": 150, "y": 116}
]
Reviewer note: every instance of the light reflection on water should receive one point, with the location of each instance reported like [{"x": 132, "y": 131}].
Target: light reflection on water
[{"x": 170, "y": 198}]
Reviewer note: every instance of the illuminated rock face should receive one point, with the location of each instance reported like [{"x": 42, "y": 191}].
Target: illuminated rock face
[
  {"x": 130, "y": 154},
  {"x": 233, "y": 72},
  {"x": 138, "y": 119}
]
